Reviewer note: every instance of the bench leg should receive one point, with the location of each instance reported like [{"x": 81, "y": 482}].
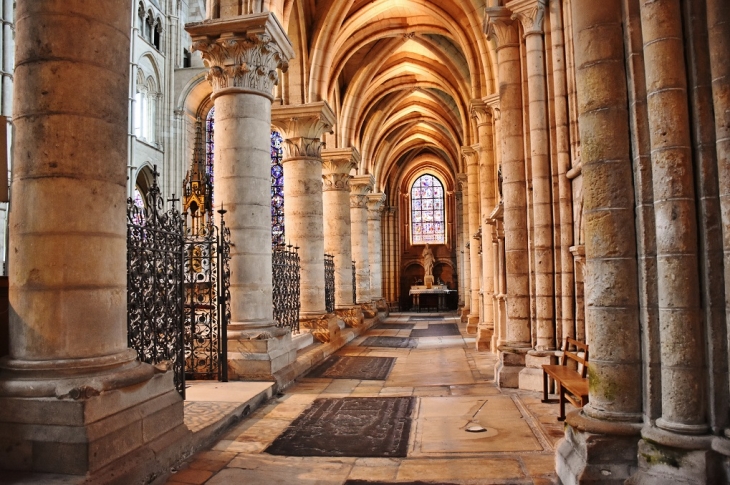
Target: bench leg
[
  {"x": 561, "y": 393},
  {"x": 544, "y": 387}
]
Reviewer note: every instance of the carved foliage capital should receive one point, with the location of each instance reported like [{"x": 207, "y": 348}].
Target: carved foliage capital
[
  {"x": 500, "y": 27},
  {"x": 336, "y": 181},
  {"x": 375, "y": 205},
  {"x": 463, "y": 180},
  {"x": 301, "y": 147},
  {"x": 530, "y": 13},
  {"x": 470, "y": 154},
  {"x": 358, "y": 201},
  {"x": 248, "y": 61},
  {"x": 480, "y": 112}
]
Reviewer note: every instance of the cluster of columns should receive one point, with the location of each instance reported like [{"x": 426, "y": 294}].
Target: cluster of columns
[{"x": 650, "y": 95}]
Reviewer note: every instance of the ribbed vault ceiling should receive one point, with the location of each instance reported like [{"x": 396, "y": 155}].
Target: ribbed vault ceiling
[{"x": 400, "y": 75}]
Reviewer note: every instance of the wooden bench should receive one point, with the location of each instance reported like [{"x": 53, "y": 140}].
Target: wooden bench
[{"x": 571, "y": 384}]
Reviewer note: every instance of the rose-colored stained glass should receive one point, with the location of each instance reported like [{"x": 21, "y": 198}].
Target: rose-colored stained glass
[{"x": 427, "y": 211}]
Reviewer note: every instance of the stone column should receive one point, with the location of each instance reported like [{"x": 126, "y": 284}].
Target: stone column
[
  {"x": 242, "y": 150},
  {"x": 531, "y": 13},
  {"x": 234, "y": 48},
  {"x": 337, "y": 223},
  {"x": 502, "y": 29},
  {"x": 683, "y": 401},
  {"x": 73, "y": 398},
  {"x": 360, "y": 186},
  {"x": 565, "y": 191},
  {"x": 301, "y": 128},
  {"x": 606, "y": 429},
  {"x": 458, "y": 196},
  {"x": 375, "y": 245},
  {"x": 718, "y": 22},
  {"x": 463, "y": 181},
  {"x": 471, "y": 158},
  {"x": 482, "y": 114}
]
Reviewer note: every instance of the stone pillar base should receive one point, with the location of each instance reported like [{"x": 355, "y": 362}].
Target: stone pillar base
[
  {"x": 665, "y": 457},
  {"x": 381, "y": 305},
  {"x": 92, "y": 430},
  {"x": 485, "y": 335},
  {"x": 472, "y": 322},
  {"x": 464, "y": 315},
  {"x": 324, "y": 328},
  {"x": 258, "y": 355},
  {"x": 507, "y": 370},
  {"x": 368, "y": 310},
  {"x": 531, "y": 376},
  {"x": 352, "y": 316},
  {"x": 600, "y": 452}
]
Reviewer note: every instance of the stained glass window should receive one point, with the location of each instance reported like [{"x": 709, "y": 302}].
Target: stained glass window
[
  {"x": 277, "y": 190},
  {"x": 427, "y": 211},
  {"x": 209, "y": 126}
]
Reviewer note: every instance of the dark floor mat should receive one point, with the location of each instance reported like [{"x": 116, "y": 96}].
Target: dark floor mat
[
  {"x": 438, "y": 330},
  {"x": 393, "y": 342},
  {"x": 365, "y": 482},
  {"x": 393, "y": 326},
  {"x": 362, "y": 368},
  {"x": 424, "y": 318},
  {"x": 351, "y": 426}
]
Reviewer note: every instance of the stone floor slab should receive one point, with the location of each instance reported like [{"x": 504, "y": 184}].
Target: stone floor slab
[
  {"x": 437, "y": 330},
  {"x": 348, "y": 367},
  {"x": 394, "y": 342}
]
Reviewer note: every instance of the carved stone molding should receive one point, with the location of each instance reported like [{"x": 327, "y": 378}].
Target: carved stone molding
[
  {"x": 302, "y": 126},
  {"x": 368, "y": 310},
  {"x": 492, "y": 101},
  {"x": 352, "y": 317},
  {"x": 318, "y": 326},
  {"x": 358, "y": 201},
  {"x": 375, "y": 205},
  {"x": 462, "y": 180},
  {"x": 361, "y": 184},
  {"x": 242, "y": 54},
  {"x": 336, "y": 181},
  {"x": 480, "y": 112},
  {"x": 340, "y": 160},
  {"x": 530, "y": 13},
  {"x": 470, "y": 154},
  {"x": 500, "y": 27}
]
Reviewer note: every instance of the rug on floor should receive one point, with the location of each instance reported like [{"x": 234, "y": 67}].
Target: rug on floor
[
  {"x": 438, "y": 330},
  {"x": 350, "y": 426},
  {"x": 394, "y": 342},
  {"x": 393, "y": 326},
  {"x": 361, "y": 368},
  {"x": 424, "y": 318}
]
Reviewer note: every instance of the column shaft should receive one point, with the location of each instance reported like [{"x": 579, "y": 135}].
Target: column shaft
[
  {"x": 375, "y": 245},
  {"x": 513, "y": 173},
  {"x": 360, "y": 186},
  {"x": 471, "y": 155},
  {"x": 682, "y": 351}
]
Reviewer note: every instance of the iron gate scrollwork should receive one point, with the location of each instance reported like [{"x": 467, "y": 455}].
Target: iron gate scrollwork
[
  {"x": 354, "y": 284},
  {"x": 285, "y": 276},
  {"x": 206, "y": 285},
  {"x": 329, "y": 282},
  {"x": 154, "y": 283}
]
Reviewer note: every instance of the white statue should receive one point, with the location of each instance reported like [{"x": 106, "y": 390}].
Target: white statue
[{"x": 427, "y": 255}]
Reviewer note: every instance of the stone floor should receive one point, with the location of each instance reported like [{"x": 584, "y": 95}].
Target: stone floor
[{"x": 451, "y": 382}]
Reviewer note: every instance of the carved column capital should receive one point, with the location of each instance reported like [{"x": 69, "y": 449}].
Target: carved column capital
[
  {"x": 530, "y": 13},
  {"x": 492, "y": 101},
  {"x": 358, "y": 201},
  {"x": 242, "y": 53},
  {"x": 301, "y": 127},
  {"x": 462, "y": 180},
  {"x": 375, "y": 205},
  {"x": 470, "y": 154},
  {"x": 336, "y": 181},
  {"x": 340, "y": 160},
  {"x": 500, "y": 27},
  {"x": 362, "y": 184},
  {"x": 480, "y": 112}
]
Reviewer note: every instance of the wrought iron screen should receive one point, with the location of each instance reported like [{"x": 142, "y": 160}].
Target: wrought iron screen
[
  {"x": 154, "y": 283},
  {"x": 206, "y": 288},
  {"x": 285, "y": 266},
  {"x": 354, "y": 284},
  {"x": 329, "y": 282}
]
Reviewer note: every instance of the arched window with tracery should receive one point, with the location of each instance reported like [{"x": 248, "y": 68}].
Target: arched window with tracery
[
  {"x": 428, "y": 219},
  {"x": 277, "y": 190}
]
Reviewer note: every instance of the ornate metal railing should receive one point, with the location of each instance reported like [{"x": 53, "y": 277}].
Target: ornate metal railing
[
  {"x": 354, "y": 284},
  {"x": 155, "y": 283},
  {"x": 329, "y": 282},
  {"x": 285, "y": 266},
  {"x": 206, "y": 282}
]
